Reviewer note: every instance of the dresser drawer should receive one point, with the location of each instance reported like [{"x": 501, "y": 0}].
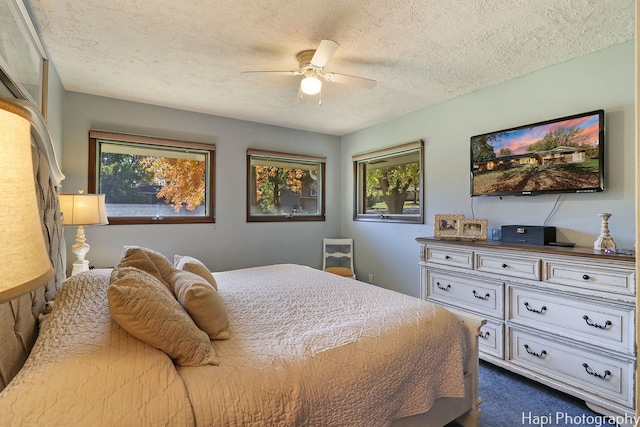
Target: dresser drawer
[
  {"x": 480, "y": 296},
  {"x": 515, "y": 266},
  {"x": 491, "y": 339},
  {"x": 454, "y": 257},
  {"x": 608, "y": 377},
  {"x": 594, "y": 323},
  {"x": 585, "y": 275}
]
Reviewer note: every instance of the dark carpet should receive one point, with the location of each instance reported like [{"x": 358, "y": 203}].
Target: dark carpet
[{"x": 510, "y": 400}]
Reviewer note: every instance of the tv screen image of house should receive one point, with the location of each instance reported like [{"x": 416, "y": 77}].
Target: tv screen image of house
[{"x": 564, "y": 155}]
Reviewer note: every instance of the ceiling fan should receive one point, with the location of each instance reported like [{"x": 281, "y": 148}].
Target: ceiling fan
[{"x": 312, "y": 63}]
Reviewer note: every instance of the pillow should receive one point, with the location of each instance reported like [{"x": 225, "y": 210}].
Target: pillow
[
  {"x": 202, "y": 302},
  {"x": 143, "y": 306},
  {"x": 194, "y": 266},
  {"x": 341, "y": 271},
  {"x": 147, "y": 260}
]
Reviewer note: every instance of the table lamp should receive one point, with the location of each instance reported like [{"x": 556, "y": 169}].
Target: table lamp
[
  {"x": 82, "y": 209},
  {"x": 25, "y": 260}
]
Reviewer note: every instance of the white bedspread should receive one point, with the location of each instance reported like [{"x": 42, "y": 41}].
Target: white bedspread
[
  {"x": 86, "y": 371},
  {"x": 309, "y": 348}
]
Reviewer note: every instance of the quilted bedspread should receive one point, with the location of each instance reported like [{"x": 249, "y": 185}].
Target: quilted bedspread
[
  {"x": 309, "y": 348},
  {"x": 84, "y": 370}
]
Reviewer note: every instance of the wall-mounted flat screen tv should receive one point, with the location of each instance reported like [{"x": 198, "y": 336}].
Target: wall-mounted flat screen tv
[{"x": 564, "y": 155}]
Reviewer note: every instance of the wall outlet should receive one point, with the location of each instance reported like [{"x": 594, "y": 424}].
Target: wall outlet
[{"x": 371, "y": 279}]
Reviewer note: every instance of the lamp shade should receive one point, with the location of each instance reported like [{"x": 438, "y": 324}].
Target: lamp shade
[
  {"x": 25, "y": 261},
  {"x": 83, "y": 209}
]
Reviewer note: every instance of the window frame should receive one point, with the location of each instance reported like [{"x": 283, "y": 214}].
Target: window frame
[
  {"x": 299, "y": 158},
  {"x": 95, "y": 136},
  {"x": 359, "y": 183}
]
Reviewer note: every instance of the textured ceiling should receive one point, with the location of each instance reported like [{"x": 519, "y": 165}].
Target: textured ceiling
[{"x": 189, "y": 54}]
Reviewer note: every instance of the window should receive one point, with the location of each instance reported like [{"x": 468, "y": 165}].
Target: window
[
  {"x": 389, "y": 184},
  {"x": 149, "y": 180},
  {"x": 284, "y": 187}
]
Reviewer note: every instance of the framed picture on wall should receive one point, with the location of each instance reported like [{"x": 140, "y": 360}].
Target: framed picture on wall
[
  {"x": 447, "y": 225},
  {"x": 23, "y": 63},
  {"x": 473, "y": 229}
]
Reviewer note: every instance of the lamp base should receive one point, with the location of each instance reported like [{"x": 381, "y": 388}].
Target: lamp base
[
  {"x": 80, "y": 249},
  {"x": 79, "y": 266}
]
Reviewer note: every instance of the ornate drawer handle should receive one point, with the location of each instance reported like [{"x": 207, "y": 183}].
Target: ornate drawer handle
[
  {"x": 504, "y": 266},
  {"x": 585, "y": 277},
  {"x": 484, "y": 335},
  {"x": 486, "y": 297},
  {"x": 595, "y": 374},
  {"x": 595, "y": 325},
  {"x": 533, "y": 310},
  {"x": 444, "y": 288},
  {"x": 533, "y": 353}
]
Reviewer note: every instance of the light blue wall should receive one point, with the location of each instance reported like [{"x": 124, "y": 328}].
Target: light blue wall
[
  {"x": 604, "y": 80},
  {"x": 388, "y": 251},
  {"x": 230, "y": 242}
]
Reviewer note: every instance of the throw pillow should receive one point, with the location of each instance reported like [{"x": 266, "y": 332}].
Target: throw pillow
[
  {"x": 142, "y": 305},
  {"x": 148, "y": 260},
  {"x": 202, "y": 302},
  {"x": 196, "y": 266}
]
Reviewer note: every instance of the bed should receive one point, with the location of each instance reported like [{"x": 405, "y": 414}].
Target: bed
[{"x": 281, "y": 345}]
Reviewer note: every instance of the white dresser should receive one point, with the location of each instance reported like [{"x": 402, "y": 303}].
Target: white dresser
[{"x": 562, "y": 316}]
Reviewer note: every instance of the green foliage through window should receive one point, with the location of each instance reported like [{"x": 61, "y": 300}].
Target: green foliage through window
[
  {"x": 152, "y": 180},
  {"x": 389, "y": 184},
  {"x": 284, "y": 187}
]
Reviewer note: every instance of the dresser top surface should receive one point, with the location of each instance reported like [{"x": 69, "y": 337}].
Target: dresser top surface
[{"x": 546, "y": 249}]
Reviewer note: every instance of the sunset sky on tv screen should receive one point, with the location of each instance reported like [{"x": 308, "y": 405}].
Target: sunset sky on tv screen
[{"x": 518, "y": 140}]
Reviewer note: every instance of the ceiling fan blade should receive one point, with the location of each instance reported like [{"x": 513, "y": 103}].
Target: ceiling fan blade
[
  {"x": 350, "y": 80},
  {"x": 324, "y": 53},
  {"x": 275, "y": 73}
]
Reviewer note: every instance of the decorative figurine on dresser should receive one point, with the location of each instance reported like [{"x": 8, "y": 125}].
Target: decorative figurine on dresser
[{"x": 562, "y": 316}]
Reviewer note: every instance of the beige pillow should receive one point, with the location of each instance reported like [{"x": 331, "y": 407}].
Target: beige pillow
[
  {"x": 202, "y": 302},
  {"x": 143, "y": 306},
  {"x": 148, "y": 260},
  {"x": 196, "y": 266}
]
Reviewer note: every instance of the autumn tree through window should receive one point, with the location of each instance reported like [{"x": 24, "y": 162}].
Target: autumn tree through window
[
  {"x": 284, "y": 187},
  {"x": 389, "y": 184},
  {"x": 151, "y": 180}
]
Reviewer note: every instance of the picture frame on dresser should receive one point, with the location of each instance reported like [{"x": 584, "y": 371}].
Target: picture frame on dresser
[
  {"x": 475, "y": 229},
  {"x": 447, "y": 225}
]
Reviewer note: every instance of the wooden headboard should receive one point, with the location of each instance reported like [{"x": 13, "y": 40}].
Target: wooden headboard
[{"x": 19, "y": 317}]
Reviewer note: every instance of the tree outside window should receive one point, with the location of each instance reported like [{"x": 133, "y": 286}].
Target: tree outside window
[
  {"x": 152, "y": 180},
  {"x": 284, "y": 187},
  {"x": 389, "y": 184}
]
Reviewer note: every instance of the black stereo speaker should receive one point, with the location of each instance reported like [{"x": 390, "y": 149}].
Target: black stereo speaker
[{"x": 528, "y": 234}]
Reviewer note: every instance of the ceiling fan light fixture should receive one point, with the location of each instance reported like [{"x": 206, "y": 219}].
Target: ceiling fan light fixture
[
  {"x": 311, "y": 65},
  {"x": 311, "y": 85}
]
